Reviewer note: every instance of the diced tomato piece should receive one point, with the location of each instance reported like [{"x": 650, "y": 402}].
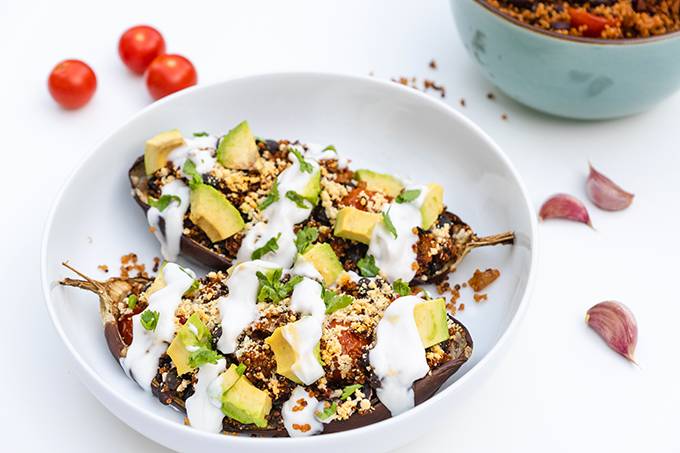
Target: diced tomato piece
[{"x": 595, "y": 24}]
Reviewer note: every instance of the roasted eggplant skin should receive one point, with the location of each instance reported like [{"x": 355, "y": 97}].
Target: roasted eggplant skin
[
  {"x": 114, "y": 290},
  {"x": 189, "y": 248}
]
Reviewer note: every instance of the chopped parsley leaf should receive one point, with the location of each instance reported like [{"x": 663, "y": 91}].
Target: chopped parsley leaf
[
  {"x": 163, "y": 202},
  {"x": 401, "y": 287},
  {"x": 334, "y": 301},
  {"x": 189, "y": 170},
  {"x": 349, "y": 391},
  {"x": 132, "y": 301},
  {"x": 272, "y": 289},
  {"x": 272, "y": 197},
  {"x": 201, "y": 134},
  {"x": 367, "y": 266},
  {"x": 327, "y": 412},
  {"x": 203, "y": 355},
  {"x": 298, "y": 199},
  {"x": 408, "y": 196},
  {"x": 388, "y": 223},
  {"x": 330, "y": 148},
  {"x": 271, "y": 245},
  {"x": 305, "y": 237},
  {"x": 149, "y": 319},
  {"x": 305, "y": 166}
]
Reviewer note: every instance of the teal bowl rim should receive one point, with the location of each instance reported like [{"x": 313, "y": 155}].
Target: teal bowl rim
[{"x": 575, "y": 39}]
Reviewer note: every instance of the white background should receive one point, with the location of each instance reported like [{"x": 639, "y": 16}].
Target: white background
[{"x": 558, "y": 388}]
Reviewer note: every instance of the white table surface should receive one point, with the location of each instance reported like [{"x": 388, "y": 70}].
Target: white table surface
[{"x": 558, "y": 388}]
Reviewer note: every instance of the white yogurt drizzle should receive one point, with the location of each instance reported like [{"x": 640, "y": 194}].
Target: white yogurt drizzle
[
  {"x": 303, "y": 335},
  {"x": 395, "y": 256},
  {"x": 173, "y": 217},
  {"x": 299, "y": 419},
  {"x": 201, "y": 410},
  {"x": 398, "y": 358},
  {"x": 199, "y": 150},
  {"x": 141, "y": 361},
  {"x": 239, "y": 307},
  {"x": 319, "y": 153},
  {"x": 280, "y": 217},
  {"x": 305, "y": 268}
]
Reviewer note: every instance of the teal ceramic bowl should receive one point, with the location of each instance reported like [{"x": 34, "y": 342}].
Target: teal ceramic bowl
[{"x": 572, "y": 77}]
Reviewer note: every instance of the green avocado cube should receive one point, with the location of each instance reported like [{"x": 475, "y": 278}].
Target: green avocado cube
[
  {"x": 157, "y": 148},
  {"x": 432, "y": 321},
  {"x": 237, "y": 149},
  {"x": 192, "y": 334},
  {"x": 246, "y": 404},
  {"x": 326, "y": 262},
  {"x": 379, "y": 182},
  {"x": 355, "y": 224},
  {"x": 432, "y": 206},
  {"x": 213, "y": 213}
]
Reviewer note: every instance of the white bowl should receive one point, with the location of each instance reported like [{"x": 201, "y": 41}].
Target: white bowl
[{"x": 379, "y": 125}]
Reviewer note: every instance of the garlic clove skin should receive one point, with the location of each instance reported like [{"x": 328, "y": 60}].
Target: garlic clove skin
[
  {"x": 615, "y": 323},
  {"x": 605, "y": 193},
  {"x": 564, "y": 206}
]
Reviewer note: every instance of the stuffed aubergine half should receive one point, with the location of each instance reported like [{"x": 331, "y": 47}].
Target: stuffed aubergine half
[
  {"x": 265, "y": 351},
  {"x": 228, "y": 200}
]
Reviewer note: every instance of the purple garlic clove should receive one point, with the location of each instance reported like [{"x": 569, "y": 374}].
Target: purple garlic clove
[
  {"x": 563, "y": 206},
  {"x": 605, "y": 193},
  {"x": 615, "y": 323}
]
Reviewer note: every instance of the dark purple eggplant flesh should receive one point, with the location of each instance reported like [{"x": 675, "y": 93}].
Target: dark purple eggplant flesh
[
  {"x": 188, "y": 247},
  {"x": 211, "y": 259},
  {"x": 110, "y": 292}
]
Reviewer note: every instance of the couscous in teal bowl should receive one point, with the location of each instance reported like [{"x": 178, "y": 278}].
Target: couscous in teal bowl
[{"x": 573, "y": 77}]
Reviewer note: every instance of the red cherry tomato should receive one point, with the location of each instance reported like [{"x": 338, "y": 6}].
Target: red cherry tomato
[
  {"x": 169, "y": 73},
  {"x": 595, "y": 24},
  {"x": 138, "y": 46},
  {"x": 72, "y": 83}
]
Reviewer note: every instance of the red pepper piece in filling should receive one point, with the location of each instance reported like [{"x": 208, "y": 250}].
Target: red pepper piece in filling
[{"x": 595, "y": 25}]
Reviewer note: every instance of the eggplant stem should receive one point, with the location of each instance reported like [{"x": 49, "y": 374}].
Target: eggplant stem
[
  {"x": 87, "y": 283},
  {"x": 503, "y": 238}
]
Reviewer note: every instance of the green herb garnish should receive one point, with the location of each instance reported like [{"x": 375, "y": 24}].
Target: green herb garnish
[
  {"x": 149, "y": 319},
  {"x": 240, "y": 369},
  {"x": 271, "y": 245},
  {"x": 388, "y": 223},
  {"x": 163, "y": 202},
  {"x": 349, "y": 391},
  {"x": 272, "y": 289},
  {"x": 201, "y": 134},
  {"x": 132, "y": 301},
  {"x": 298, "y": 199},
  {"x": 367, "y": 266},
  {"x": 401, "y": 287},
  {"x": 194, "y": 286},
  {"x": 330, "y": 148},
  {"x": 334, "y": 301},
  {"x": 271, "y": 198},
  {"x": 305, "y": 166},
  {"x": 327, "y": 412},
  {"x": 305, "y": 237},
  {"x": 407, "y": 196},
  {"x": 203, "y": 355},
  {"x": 189, "y": 170}
]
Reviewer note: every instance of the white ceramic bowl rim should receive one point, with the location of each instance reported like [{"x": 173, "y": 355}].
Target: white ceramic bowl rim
[{"x": 273, "y": 442}]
